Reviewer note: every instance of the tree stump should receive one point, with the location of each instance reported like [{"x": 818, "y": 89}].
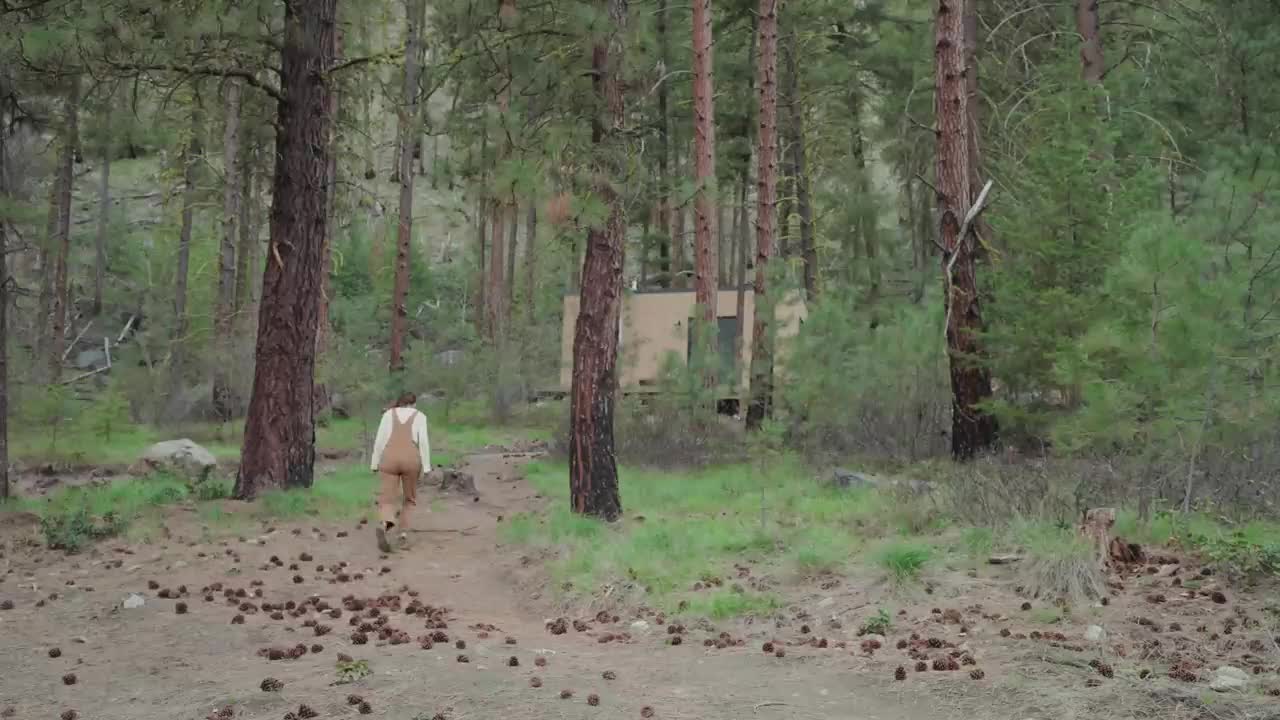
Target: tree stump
[{"x": 1097, "y": 529}]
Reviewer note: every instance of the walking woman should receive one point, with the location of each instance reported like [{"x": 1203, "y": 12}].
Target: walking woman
[{"x": 401, "y": 454}]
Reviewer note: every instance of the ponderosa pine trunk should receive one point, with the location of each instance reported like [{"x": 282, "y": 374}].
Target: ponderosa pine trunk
[
  {"x": 178, "y": 343},
  {"x": 679, "y": 243},
  {"x": 530, "y": 261},
  {"x": 804, "y": 207},
  {"x": 706, "y": 267},
  {"x": 47, "y": 264},
  {"x": 320, "y": 394},
  {"x": 224, "y": 313},
  {"x": 766, "y": 221},
  {"x": 247, "y": 249},
  {"x": 61, "y": 289},
  {"x": 1092, "y": 62},
  {"x": 665, "y": 268},
  {"x": 104, "y": 223},
  {"x": 4, "y": 323},
  {"x": 593, "y": 465},
  {"x": 512, "y": 241},
  {"x": 971, "y": 29},
  {"x": 972, "y": 429},
  {"x": 497, "y": 266},
  {"x": 408, "y": 114},
  {"x": 279, "y": 436}
]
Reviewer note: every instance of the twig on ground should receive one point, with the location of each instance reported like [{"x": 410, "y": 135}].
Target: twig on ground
[{"x": 757, "y": 707}]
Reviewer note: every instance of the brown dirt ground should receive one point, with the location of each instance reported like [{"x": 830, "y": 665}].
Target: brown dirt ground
[{"x": 154, "y": 663}]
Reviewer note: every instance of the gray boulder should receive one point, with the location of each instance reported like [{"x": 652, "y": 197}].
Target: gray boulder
[
  {"x": 449, "y": 480},
  {"x": 1228, "y": 679},
  {"x": 181, "y": 457},
  {"x": 848, "y": 480}
]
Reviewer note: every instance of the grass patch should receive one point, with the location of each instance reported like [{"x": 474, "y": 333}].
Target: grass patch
[
  {"x": 1060, "y": 563},
  {"x": 78, "y": 516},
  {"x": 978, "y": 542},
  {"x": 1046, "y": 615},
  {"x": 695, "y": 527},
  {"x": 904, "y": 560}
]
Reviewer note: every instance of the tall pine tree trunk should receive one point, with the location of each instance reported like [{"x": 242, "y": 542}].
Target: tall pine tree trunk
[
  {"x": 404, "y": 171},
  {"x": 1091, "y": 58},
  {"x": 104, "y": 223},
  {"x": 804, "y": 208},
  {"x": 47, "y": 263},
  {"x": 223, "y": 405},
  {"x": 679, "y": 243},
  {"x": 706, "y": 267},
  {"x": 665, "y": 268},
  {"x": 178, "y": 343},
  {"x": 323, "y": 330},
  {"x": 593, "y": 466},
  {"x": 972, "y": 429},
  {"x": 530, "y": 261},
  {"x": 4, "y": 322},
  {"x": 766, "y": 197},
  {"x": 279, "y": 437},
  {"x": 61, "y": 288},
  {"x": 512, "y": 233},
  {"x": 247, "y": 249}
]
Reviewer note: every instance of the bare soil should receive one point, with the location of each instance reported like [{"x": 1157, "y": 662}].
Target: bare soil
[{"x": 155, "y": 662}]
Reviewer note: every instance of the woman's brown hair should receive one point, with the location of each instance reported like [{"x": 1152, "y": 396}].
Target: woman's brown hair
[{"x": 406, "y": 400}]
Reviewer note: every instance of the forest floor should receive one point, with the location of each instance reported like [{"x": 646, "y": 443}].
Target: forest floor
[{"x": 493, "y": 600}]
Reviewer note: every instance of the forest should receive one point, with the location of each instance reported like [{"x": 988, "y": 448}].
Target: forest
[{"x": 934, "y": 301}]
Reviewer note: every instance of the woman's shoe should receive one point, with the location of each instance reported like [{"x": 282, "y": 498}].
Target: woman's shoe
[{"x": 381, "y": 534}]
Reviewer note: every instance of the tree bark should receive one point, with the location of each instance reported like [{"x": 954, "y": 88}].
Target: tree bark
[
  {"x": 4, "y": 323},
  {"x": 593, "y": 466},
  {"x": 512, "y": 239},
  {"x": 279, "y": 438},
  {"x": 1091, "y": 59},
  {"x": 61, "y": 289},
  {"x": 530, "y": 261},
  {"x": 497, "y": 266},
  {"x": 408, "y": 114},
  {"x": 47, "y": 262},
  {"x": 190, "y": 161},
  {"x": 320, "y": 393},
  {"x": 679, "y": 244},
  {"x": 223, "y": 404},
  {"x": 804, "y": 208},
  {"x": 975, "y": 120},
  {"x": 706, "y": 267},
  {"x": 972, "y": 429},
  {"x": 766, "y": 197},
  {"x": 104, "y": 223},
  {"x": 665, "y": 268},
  {"x": 247, "y": 250}
]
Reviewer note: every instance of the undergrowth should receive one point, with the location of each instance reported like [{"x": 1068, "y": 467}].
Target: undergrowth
[{"x": 688, "y": 530}]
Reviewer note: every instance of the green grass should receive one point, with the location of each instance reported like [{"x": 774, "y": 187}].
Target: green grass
[
  {"x": 903, "y": 560},
  {"x": 695, "y": 526}
]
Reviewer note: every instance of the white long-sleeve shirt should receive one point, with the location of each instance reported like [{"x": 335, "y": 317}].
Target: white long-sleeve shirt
[{"x": 419, "y": 429}]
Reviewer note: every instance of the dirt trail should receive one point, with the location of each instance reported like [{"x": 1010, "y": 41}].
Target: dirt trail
[{"x": 152, "y": 662}]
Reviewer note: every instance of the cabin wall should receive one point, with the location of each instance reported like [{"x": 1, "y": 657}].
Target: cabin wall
[{"x": 657, "y": 323}]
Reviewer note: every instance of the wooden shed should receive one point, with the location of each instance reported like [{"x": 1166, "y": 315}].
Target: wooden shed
[{"x": 656, "y": 323}]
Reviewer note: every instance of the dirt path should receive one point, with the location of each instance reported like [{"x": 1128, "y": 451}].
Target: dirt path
[{"x": 152, "y": 662}]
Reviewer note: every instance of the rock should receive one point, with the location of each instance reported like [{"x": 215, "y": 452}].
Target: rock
[
  {"x": 640, "y": 626},
  {"x": 90, "y": 359},
  {"x": 134, "y": 601},
  {"x": 449, "y": 358},
  {"x": 1095, "y": 634},
  {"x": 338, "y": 405},
  {"x": 1003, "y": 559},
  {"x": 450, "y": 480},
  {"x": 826, "y": 602},
  {"x": 179, "y": 565},
  {"x": 181, "y": 457},
  {"x": 848, "y": 480},
  {"x": 1228, "y": 679}
]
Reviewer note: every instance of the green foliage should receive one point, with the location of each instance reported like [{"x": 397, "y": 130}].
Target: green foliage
[
  {"x": 108, "y": 415},
  {"x": 879, "y": 624},
  {"x": 53, "y": 407},
  {"x": 349, "y": 671},
  {"x": 904, "y": 560}
]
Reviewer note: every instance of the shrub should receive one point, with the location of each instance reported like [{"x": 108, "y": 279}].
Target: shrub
[{"x": 1061, "y": 564}]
